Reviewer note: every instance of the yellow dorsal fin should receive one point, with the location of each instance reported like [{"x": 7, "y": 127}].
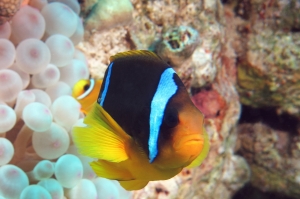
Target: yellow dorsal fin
[
  {"x": 102, "y": 137},
  {"x": 145, "y": 54},
  {"x": 203, "y": 153}
]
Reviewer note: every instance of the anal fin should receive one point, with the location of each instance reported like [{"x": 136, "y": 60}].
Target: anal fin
[
  {"x": 110, "y": 170},
  {"x": 133, "y": 184}
]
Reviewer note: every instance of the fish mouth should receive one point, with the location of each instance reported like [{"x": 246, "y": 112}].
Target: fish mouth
[
  {"x": 188, "y": 141},
  {"x": 187, "y": 148}
]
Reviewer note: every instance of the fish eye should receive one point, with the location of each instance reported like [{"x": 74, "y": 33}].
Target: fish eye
[
  {"x": 171, "y": 118},
  {"x": 86, "y": 87}
]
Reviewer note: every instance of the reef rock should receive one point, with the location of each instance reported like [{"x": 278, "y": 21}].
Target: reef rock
[
  {"x": 263, "y": 38},
  {"x": 269, "y": 53},
  {"x": 273, "y": 156},
  {"x": 8, "y": 9},
  {"x": 106, "y": 14}
]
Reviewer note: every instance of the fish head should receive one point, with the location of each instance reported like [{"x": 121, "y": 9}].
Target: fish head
[
  {"x": 86, "y": 92},
  {"x": 183, "y": 142},
  {"x": 80, "y": 88}
]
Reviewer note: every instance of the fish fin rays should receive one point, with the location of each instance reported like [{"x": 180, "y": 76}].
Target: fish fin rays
[
  {"x": 115, "y": 172},
  {"x": 135, "y": 53},
  {"x": 102, "y": 137},
  {"x": 203, "y": 153},
  {"x": 133, "y": 184},
  {"x": 110, "y": 170}
]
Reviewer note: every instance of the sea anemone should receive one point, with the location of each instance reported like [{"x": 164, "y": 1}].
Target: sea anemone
[
  {"x": 27, "y": 23},
  {"x": 106, "y": 188},
  {"x": 24, "y": 98},
  {"x": 35, "y": 192},
  {"x": 84, "y": 189},
  {"x": 7, "y": 53},
  {"x": 70, "y": 3},
  {"x": 5, "y": 30},
  {"x": 39, "y": 65},
  {"x": 13, "y": 181},
  {"x": 52, "y": 143},
  {"x": 6, "y": 151},
  {"x": 61, "y": 48},
  {"x": 53, "y": 187},
  {"x": 42, "y": 97},
  {"x": 7, "y": 118},
  {"x": 66, "y": 175},
  {"x": 74, "y": 72},
  {"x": 60, "y": 19},
  {"x": 10, "y": 85},
  {"x": 37, "y": 117},
  {"x": 58, "y": 89},
  {"x": 66, "y": 111},
  {"x": 88, "y": 172},
  {"x": 33, "y": 56},
  {"x": 47, "y": 77},
  {"x": 43, "y": 170},
  {"x": 25, "y": 77}
]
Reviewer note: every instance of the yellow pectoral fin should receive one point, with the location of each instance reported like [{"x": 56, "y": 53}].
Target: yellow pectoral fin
[
  {"x": 102, "y": 137},
  {"x": 110, "y": 170},
  {"x": 133, "y": 184},
  {"x": 203, "y": 153}
]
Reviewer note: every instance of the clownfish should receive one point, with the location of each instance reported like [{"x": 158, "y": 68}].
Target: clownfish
[
  {"x": 86, "y": 91},
  {"x": 25, "y": 2},
  {"x": 143, "y": 126}
]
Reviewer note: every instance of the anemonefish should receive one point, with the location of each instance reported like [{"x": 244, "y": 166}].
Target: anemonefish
[
  {"x": 86, "y": 91},
  {"x": 25, "y": 2},
  {"x": 143, "y": 127}
]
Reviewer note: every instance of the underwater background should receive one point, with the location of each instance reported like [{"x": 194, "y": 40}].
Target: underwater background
[{"x": 238, "y": 59}]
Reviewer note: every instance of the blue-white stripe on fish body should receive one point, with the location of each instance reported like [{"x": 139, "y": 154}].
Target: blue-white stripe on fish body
[
  {"x": 103, "y": 95},
  {"x": 165, "y": 90}
]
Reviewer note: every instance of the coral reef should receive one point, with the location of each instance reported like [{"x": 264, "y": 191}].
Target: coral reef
[
  {"x": 8, "y": 9},
  {"x": 99, "y": 47},
  {"x": 178, "y": 44},
  {"x": 266, "y": 49},
  {"x": 273, "y": 156},
  {"x": 179, "y": 24},
  {"x": 268, "y": 64},
  {"x": 269, "y": 72},
  {"x": 106, "y": 14},
  {"x": 181, "y": 48}
]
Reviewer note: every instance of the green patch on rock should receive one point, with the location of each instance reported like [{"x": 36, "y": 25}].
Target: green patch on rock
[{"x": 273, "y": 181}]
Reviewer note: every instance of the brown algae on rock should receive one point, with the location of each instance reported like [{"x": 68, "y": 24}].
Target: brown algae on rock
[
  {"x": 7, "y": 9},
  {"x": 269, "y": 72},
  {"x": 268, "y": 65},
  {"x": 178, "y": 44},
  {"x": 272, "y": 158}
]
